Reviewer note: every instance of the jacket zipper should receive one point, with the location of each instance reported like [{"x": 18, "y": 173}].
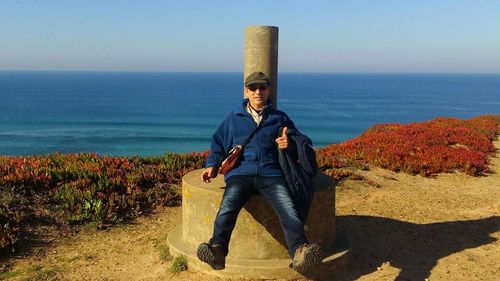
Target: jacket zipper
[{"x": 257, "y": 134}]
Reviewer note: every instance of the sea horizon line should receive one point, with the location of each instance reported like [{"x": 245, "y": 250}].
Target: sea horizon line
[{"x": 240, "y": 72}]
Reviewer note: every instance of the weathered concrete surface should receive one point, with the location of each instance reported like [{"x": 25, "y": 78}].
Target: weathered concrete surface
[
  {"x": 257, "y": 234},
  {"x": 257, "y": 246},
  {"x": 336, "y": 257},
  {"x": 261, "y": 54}
]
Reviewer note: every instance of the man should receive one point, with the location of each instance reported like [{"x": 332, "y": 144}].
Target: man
[{"x": 258, "y": 172}]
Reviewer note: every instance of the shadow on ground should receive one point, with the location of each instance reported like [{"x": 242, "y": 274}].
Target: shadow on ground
[{"x": 413, "y": 248}]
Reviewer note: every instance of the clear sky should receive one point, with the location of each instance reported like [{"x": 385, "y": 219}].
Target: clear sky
[{"x": 315, "y": 36}]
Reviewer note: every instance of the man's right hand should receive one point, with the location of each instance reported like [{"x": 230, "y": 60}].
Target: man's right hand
[{"x": 208, "y": 173}]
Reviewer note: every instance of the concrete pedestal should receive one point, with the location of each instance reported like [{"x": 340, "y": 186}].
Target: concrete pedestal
[{"x": 257, "y": 248}]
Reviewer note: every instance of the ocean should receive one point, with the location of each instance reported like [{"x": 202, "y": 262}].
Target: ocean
[{"x": 126, "y": 113}]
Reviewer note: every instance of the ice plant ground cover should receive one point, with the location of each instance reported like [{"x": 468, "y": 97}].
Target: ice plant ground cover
[
  {"x": 88, "y": 188},
  {"x": 426, "y": 148}
]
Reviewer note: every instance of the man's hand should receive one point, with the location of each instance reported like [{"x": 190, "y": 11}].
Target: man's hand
[
  {"x": 283, "y": 140},
  {"x": 208, "y": 173}
]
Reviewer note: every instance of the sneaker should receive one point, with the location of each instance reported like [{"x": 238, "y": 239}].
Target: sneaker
[
  {"x": 306, "y": 256},
  {"x": 212, "y": 255}
]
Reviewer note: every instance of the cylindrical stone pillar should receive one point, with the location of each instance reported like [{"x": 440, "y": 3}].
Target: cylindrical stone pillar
[{"x": 261, "y": 54}]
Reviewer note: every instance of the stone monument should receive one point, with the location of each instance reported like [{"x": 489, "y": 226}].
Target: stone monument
[{"x": 257, "y": 248}]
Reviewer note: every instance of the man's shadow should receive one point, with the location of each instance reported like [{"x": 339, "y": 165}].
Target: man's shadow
[{"x": 414, "y": 248}]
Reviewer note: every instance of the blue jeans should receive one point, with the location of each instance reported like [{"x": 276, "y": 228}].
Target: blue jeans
[{"x": 274, "y": 190}]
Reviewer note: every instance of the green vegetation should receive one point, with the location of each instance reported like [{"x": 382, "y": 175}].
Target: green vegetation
[
  {"x": 179, "y": 264},
  {"x": 87, "y": 188},
  {"x": 442, "y": 145},
  {"x": 164, "y": 252},
  {"x": 9, "y": 274},
  {"x": 37, "y": 272},
  {"x": 161, "y": 245}
]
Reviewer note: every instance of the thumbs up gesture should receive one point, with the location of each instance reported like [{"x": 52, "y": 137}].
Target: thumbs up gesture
[{"x": 282, "y": 141}]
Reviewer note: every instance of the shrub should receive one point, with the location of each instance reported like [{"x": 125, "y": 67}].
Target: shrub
[
  {"x": 179, "y": 264},
  {"x": 91, "y": 188},
  {"x": 427, "y": 148}
]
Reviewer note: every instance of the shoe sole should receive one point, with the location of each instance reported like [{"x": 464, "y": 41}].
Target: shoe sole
[
  {"x": 313, "y": 257},
  {"x": 207, "y": 256}
]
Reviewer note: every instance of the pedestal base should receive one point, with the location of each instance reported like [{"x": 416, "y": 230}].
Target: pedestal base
[
  {"x": 336, "y": 256},
  {"x": 257, "y": 248}
]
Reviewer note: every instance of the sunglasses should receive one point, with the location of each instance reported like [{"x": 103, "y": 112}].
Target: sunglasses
[{"x": 254, "y": 88}]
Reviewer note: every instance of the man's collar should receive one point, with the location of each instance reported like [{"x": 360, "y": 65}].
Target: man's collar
[
  {"x": 255, "y": 111},
  {"x": 242, "y": 108}
]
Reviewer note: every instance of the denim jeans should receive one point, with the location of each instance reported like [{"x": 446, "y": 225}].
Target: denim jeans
[{"x": 274, "y": 190}]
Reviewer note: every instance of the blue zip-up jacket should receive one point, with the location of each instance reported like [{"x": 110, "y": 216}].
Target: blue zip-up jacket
[{"x": 260, "y": 157}]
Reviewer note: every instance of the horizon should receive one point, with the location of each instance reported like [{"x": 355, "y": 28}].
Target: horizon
[
  {"x": 386, "y": 36},
  {"x": 241, "y": 72}
]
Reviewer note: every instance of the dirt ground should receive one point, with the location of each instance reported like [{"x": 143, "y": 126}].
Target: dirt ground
[{"x": 407, "y": 228}]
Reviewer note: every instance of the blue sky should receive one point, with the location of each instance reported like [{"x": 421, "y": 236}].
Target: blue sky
[{"x": 315, "y": 36}]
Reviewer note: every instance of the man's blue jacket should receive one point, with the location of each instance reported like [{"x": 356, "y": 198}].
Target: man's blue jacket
[{"x": 260, "y": 157}]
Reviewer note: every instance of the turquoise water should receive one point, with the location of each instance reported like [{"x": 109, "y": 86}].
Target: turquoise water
[{"x": 151, "y": 113}]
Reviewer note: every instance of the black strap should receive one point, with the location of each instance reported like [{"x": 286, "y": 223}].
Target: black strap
[
  {"x": 250, "y": 136},
  {"x": 247, "y": 140}
]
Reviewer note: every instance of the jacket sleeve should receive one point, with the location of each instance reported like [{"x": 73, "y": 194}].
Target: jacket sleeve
[{"x": 219, "y": 146}]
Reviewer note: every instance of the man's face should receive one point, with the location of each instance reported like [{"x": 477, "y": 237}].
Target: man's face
[{"x": 257, "y": 94}]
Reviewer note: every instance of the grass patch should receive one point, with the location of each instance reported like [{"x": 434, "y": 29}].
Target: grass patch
[
  {"x": 179, "y": 264},
  {"x": 160, "y": 244},
  {"x": 163, "y": 238},
  {"x": 67, "y": 260},
  {"x": 8, "y": 275},
  {"x": 164, "y": 252},
  {"x": 37, "y": 272}
]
